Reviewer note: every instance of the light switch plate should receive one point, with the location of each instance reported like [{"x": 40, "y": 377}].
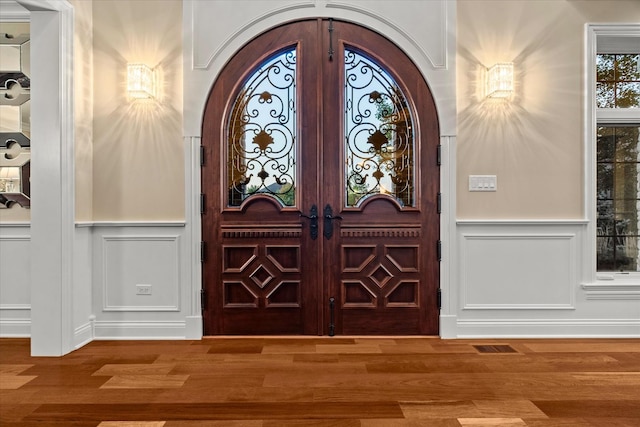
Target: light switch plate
[{"x": 483, "y": 183}]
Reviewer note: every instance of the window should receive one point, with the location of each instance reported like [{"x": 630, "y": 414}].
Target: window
[
  {"x": 613, "y": 148},
  {"x": 618, "y": 198},
  {"x": 262, "y": 133}
]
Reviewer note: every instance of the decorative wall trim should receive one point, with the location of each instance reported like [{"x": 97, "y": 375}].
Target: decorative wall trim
[
  {"x": 518, "y": 275},
  {"x": 229, "y": 40},
  {"x": 21, "y": 224},
  {"x": 139, "y": 330},
  {"x": 116, "y": 224},
  {"x": 174, "y": 280},
  {"x": 438, "y": 65},
  {"x": 17, "y": 238},
  {"x": 13, "y": 12},
  {"x": 15, "y": 306},
  {"x": 545, "y": 328},
  {"x": 507, "y": 222},
  {"x": 611, "y": 291}
]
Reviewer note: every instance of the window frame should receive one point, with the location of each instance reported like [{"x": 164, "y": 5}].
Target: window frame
[{"x": 602, "y": 39}]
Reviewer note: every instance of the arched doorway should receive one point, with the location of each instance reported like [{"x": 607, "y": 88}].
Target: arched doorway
[{"x": 321, "y": 185}]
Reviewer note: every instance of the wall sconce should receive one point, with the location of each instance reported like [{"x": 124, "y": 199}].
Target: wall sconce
[
  {"x": 500, "y": 80},
  {"x": 141, "y": 81}
]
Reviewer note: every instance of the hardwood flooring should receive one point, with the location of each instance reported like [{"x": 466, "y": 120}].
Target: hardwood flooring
[{"x": 317, "y": 381}]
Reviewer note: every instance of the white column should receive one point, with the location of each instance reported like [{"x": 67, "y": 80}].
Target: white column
[{"x": 52, "y": 177}]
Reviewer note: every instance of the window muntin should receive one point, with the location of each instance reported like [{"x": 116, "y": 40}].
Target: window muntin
[
  {"x": 618, "y": 81},
  {"x": 618, "y": 198},
  {"x": 379, "y": 142},
  {"x": 261, "y": 132}
]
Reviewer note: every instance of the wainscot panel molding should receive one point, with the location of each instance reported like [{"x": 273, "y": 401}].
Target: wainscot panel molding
[
  {"x": 119, "y": 224},
  {"x": 132, "y": 260},
  {"x": 82, "y": 287},
  {"x": 515, "y": 222},
  {"x": 518, "y": 271},
  {"x": 15, "y": 281},
  {"x": 127, "y": 254},
  {"x": 526, "y": 278}
]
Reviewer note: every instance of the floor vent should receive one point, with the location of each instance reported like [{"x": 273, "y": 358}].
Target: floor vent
[{"x": 494, "y": 349}]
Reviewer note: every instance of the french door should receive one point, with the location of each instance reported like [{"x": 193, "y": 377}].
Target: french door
[{"x": 320, "y": 183}]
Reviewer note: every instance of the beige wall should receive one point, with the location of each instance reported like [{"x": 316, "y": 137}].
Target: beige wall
[
  {"x": 534, "y": 144},
  {"x": 138, "y": 157},
  {"x": 83, "y": 105}
]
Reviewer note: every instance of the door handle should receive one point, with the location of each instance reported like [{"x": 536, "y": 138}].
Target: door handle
[
  {"x": 328, "y": 224},
  {"x": 313, "y": 223}
]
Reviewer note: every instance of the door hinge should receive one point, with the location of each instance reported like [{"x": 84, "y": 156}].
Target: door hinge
[
  {"x": 203, "y": 251},
  {"x": 439, "y": 200},
  {"x": 202, "y": 203},
  {"x": 331, "y": 52},
  {"x": 202, "y": 155},
  {"x": 203, "y": 300},
  {"x": 439, "y": 250},
  {"x": 439, "y": 298},
  {"x": 439, "y": 156}
]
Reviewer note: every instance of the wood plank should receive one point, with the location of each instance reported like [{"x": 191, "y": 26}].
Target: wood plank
[{"x": 312, "y": 381}]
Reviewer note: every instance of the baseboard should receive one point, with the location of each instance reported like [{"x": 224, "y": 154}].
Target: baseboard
[
  {"x": 194, "y": 330},
  {"x": 142, "y": 330},
  {"x": 15, "y": 328},
  {"x": 448, "y": 326},
  {"x": 518, "y": 328},
  {"x": 83, "y": 335}
]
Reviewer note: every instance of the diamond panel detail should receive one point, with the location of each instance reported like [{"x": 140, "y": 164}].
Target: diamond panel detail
[
  {"x": 380, "y": 276},
  {"x": 261, "y": 276}
]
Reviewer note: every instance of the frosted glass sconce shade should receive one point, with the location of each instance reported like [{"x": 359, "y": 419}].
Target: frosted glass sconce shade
[
  {"x": 141, "y": 81},
  {"x": 500, "y": 80}
]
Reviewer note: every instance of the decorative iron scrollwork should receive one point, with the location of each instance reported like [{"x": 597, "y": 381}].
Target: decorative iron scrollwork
[
  {"x": 379, "y": 143},
  {"x": 262, "y": 133}
]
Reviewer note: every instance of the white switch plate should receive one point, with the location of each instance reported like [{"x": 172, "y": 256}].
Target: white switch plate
[
  {"x": 483, "y": 183},
  {"x": 143, "y": 289}
]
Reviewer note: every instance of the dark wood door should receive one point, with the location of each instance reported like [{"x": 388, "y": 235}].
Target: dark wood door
[{"x": 321, "y": 181}]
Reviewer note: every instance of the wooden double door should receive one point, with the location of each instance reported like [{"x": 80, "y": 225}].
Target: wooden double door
[{"x": 320, "y": 180}]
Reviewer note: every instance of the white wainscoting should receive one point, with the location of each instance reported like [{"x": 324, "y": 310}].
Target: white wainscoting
[
  {"x": 129, "y": 254},
  {"x": 15, "y": 279},
  {"x": 517, "y": 271},
  {"x": 131, "y": 261},
  {"x": 527, "y": 279}
]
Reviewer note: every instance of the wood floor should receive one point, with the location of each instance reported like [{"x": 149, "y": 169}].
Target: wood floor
[{"x": 374, "y": 382}]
